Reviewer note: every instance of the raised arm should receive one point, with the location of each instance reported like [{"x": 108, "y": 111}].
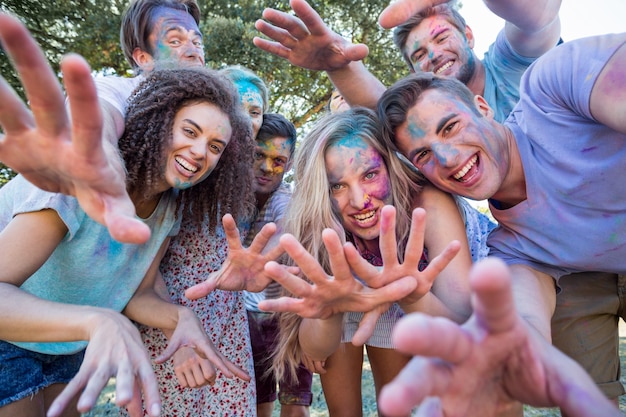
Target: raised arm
[
  {"x": 532, "y": 28},
  {"x": 305, "y": 40},
  {"x": 60, "y": 152}
]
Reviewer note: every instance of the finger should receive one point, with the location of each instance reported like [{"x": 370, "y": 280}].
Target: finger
[
  {"x": 40, "y": 83},
  {"x": 72, "y": 389},
  {"x": 216, "y": 358},
  {"x": 387, "y": 241},
  {"x": 135, "y": 406},
  {"x": 84, "y": 106},
  {"x": 272, "y": 47},
  {"x": 263, "y": 237},
  {"x": 338, "y": 264},
  {"x": 200, "y": 376},
  {"x": 367, "y": 272},
  {"x": 119, "y": 218},
  {"x": 389, "y": 293},
  {"x": 181, "y": 375},
  {"x": 202, "y": 289},
  {"x": 441, "y": 261},
  {"x": 415, "y": 244},
  {"x": 430, "y": 407},
  {"x": 418, "y": 380},
  {"x": 231, "y": 231},
  {"x": 366, "y": 327},
  {"x": 399, "y": 11},
  {"x": 420, "y": 334},
  {"x": 288, "y": 23},
  {"x": 310, "y": 19},
  {"x": 150, "y": 388},
  {"x": 292, "y": 283},
  {"x": 283, "y": 305},
  {"x": 237, "y": 371},
  {"x": 307, "y": 263},
  {"x": 493, "y": 304},
  {"x": 15, "y": 117}
]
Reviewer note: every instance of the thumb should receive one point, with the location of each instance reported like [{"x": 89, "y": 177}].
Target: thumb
[{"x": 202, "y": 289}]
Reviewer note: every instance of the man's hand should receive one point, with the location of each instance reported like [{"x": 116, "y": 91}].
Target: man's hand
[
  {"x": 305, "y": 40},
  {"x": 243, "y": 267},
  {"x": 399, "y": 11},
  {"x": 57, "y": 154},
  {"x": 478, "y": 368}
]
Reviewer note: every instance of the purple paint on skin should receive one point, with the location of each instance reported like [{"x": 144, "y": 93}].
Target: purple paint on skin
[{"x": 168, "y": 24}]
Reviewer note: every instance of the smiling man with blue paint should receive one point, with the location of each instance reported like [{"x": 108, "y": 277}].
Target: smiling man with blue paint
[{"x": 553, "y": 174}]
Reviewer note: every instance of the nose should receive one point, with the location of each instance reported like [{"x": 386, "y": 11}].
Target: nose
[
  {"x": 444, "y": 154},
  {"x": 198, "y": 149},
  {"x": 193, "y": 52},
  {"x": 359, "y": 198}
]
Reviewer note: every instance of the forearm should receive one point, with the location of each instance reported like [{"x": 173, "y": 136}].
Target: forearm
[
  {"x": 528, "y": 16},
  {"x": 357, "y": 85},
  {"x": 430, "y": 304},
  {"x": 535, "y": 298},
  {"x": 27, "y": 318},
  {"x": 148, "y": 308},
  {"x": 319, "y": 338}
]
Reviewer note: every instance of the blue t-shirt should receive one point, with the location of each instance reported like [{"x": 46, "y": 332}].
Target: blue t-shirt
[
  {"x": 574, "y": 217},
  {"x": 503, "y": 71},
  {"x": 88, "y": 267}
]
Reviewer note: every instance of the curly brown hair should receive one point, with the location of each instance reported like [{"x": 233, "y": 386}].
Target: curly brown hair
[{"x": 148, "y": 131}]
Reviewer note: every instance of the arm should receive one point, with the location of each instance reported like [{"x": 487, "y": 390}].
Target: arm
[
  {"x": 58, "y": 154},
  {"x": 493, "y": 358},
  {"x": 307, "y": 42},
  {"x": 319, "y": 338},
  {"x": 115, "y": 347},
  {"x": 180, "y": 323},
  {"x": 608, "y": 96},
  {"x": 531, "y": 28},
  {"x": 443, "y": 225}
]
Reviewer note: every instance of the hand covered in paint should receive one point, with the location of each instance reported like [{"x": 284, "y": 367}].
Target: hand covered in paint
[
  {"x": 393, "y": 269},
  {"x": 399, "y": 11},
  {"x": 305, "y": 40},
  {"x": 54, "y": 151},
  {"x": 243, "y": 268},
  {"x": 478, "y": 368},
  {"x": 323, "y": 296},
  {"x": 189, "y": 333},
  {"x": 115, "y": 349}
]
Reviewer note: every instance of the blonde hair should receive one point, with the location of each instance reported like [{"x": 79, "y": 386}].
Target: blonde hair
[{"x": 310, "y": 210}]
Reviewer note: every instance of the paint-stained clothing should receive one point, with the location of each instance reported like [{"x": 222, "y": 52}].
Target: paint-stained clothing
[
  {"x": 477, "y": 228},
  {"x": 503, "y": 70},
  {"x": 574, "y": 217},
  {"x": 88, "y": 267}
]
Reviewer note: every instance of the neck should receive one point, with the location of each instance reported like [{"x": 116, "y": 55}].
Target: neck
[
  {"x": 145, "y": 206},
  {"x": 513, "y": 189},
  {"x": 476, "y": 84}
]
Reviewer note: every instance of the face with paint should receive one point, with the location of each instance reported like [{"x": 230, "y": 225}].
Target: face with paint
[
  {"x": 459, "y": 148},
  {"x": 252, "y": 101},
  {"x": 272, "y": 158},
  {"x": 437, "y": 46},
  {"x": 359, "y": 187},
  {"x": 175, "y": 39},
  {"x": 201, "y": 132}
]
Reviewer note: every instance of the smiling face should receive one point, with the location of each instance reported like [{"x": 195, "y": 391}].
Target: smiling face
[
  {"x": 458, "y": 149},
  {"x": 175, "y": 39},
  {"x": 200, "y": 134},
  {"x": 437, "y": 46},
  {"x": 271, "y": 159},
  {"x": 252, "y": 101},
  {"x": 359, "y": 186}
]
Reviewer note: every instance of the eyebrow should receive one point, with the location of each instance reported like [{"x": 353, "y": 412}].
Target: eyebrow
[
  {"x": 440, "y": 31},
  {"x": 179, "y": 28},
  {"x": 443, "y": 122}
]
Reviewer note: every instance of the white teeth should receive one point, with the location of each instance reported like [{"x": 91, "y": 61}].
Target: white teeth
[
  {"x": 466, "y": 168},
  {"x": 445, "y": 67},
  {"x": 365, "y": 216},
  {"x": 186, "y": 165}
]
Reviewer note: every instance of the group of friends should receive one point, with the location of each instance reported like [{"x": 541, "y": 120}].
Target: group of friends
[{"x": 150, "y": 234}]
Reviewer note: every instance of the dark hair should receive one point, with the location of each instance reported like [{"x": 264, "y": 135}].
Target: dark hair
[
  {"x": 149, "y": 122},
  {"x": 276, "y": 125},
  {"x": 446, "y": 10},
  {"x": 138, "y": 22},
  {"x": 396, "y": 101}
]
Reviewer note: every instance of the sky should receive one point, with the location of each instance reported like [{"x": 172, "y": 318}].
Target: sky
[{"x": 578, "y": 19}]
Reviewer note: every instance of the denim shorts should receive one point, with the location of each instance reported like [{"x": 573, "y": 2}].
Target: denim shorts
[{"x": 24, "y": 373}]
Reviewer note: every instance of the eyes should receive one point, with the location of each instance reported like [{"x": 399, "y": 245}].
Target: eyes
[
  {"x": 421, "y": 53},
  {"x": 368, "y": 177},
  {"x": 422, "y": 157},
  {"x": 215, "y": 147},
  {"x": 177, "y": 40},
  {"x": 276, "y": 162}
]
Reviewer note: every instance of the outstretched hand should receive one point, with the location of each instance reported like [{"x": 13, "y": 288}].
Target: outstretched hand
[
  {"x": 325, "y": 296},
  {"x": 243, "y": 267},
  {"x": 399, "y": 11},
  {"x": 54, "y": 151},
  {"x": 305, "y": 40},
  {"x": 392, "y": 269},
  {"x": 115, "y": 349},
  {"x": 480, "y": 367}
]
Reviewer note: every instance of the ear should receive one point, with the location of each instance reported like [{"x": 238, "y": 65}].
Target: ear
[
  {"x": 144, "y": 60},
  {"x": 483, "y": 107},
  {"x": 469, "y": 35}
]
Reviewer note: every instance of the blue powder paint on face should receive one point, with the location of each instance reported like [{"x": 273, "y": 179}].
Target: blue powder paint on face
[
  {"x": 352, "y": 141},
  {"x": 245, "y": 87},
  {"x": 182, "y": 185},
  {"x": 416, "y": 131}
]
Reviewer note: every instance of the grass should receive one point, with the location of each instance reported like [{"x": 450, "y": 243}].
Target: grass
[{"x": 105, "y": 405}]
